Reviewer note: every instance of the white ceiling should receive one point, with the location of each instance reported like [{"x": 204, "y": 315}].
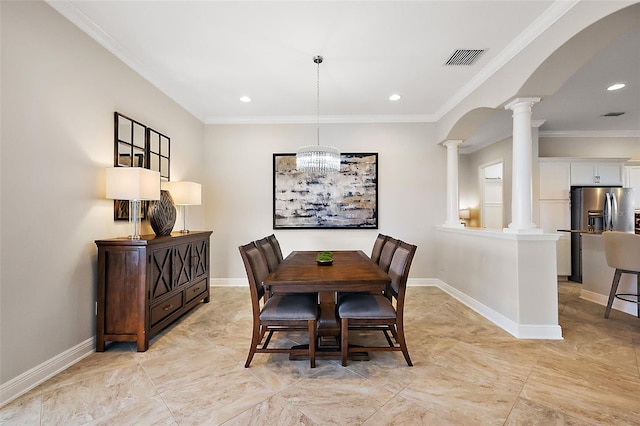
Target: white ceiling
[{"x": 207, "y": 54}]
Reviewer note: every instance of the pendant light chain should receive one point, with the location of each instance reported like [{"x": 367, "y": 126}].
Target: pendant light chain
[
  {"x": 318, "y": 159},
  {"x": 318, "y": 61}
]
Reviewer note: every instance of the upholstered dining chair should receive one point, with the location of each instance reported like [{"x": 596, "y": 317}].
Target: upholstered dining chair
[
  {"x": 280, "y": 312},
  {"x": 388, "y": 248},
  {"x": 276, "y": 246},
  {"x": 622, "y": 251},
  {"x": 362, "y": 311},
  {"x": 377, "y": 247},
  {"x": 269, "y": 252}
]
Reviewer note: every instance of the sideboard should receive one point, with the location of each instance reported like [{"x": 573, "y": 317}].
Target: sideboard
[{"x": 144, "y": 285}]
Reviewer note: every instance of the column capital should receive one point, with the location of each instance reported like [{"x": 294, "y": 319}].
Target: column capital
[
  {"x": 452, "y": 143},
  {"x": 521, "y": 101}
]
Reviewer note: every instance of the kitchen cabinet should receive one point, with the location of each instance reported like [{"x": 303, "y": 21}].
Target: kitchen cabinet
[
  {"x": 555, "y": 180},
  {"x": 555, "y": 210},
  {"x": 632, "y": 180},
  {"x": 554, "y": 215},
  {"x": 596, "y": 173}
]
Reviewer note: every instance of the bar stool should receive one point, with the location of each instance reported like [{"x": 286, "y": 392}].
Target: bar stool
[{"x": 622, "y": 251}]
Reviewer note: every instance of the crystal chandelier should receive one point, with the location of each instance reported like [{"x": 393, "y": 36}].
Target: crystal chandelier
[{"x": 318, "y": 158}]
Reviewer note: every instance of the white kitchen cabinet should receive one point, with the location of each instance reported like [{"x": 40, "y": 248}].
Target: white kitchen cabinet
[
  {"x": 554, "y": 215},
  {"x": 555, "y": 180},
  {"x": 632, "y": 180},
  {"x": 555, "y": 210},
  {"x": 596, "y": 173}
]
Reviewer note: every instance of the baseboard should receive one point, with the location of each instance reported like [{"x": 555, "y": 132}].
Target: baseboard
[
  {"x": 30, "y": 379},
  {"x": 533, "y": 331},
  {"x": 619, "y": 305},
  {"x": 229, "y": 282},
  {"x": 242, "y": 282},
  {"x": 520, "y": 331}
]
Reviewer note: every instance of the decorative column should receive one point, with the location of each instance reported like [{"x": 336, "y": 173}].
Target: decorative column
[
  {"x": 521, "y": 189},
  {"x": 453, "y": 219}
]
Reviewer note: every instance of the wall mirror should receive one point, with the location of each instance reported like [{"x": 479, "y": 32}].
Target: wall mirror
[
  {"x": 159, "y": 154},
  {"x": 136, "y": 145},
  {"x": 130, "y": 142}
]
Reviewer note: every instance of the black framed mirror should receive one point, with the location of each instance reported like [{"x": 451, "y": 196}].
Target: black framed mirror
[
  {"x": 136, "y": 145},
  {"x": 159, "y": 152},
  {"x": 130, "y": 140}
]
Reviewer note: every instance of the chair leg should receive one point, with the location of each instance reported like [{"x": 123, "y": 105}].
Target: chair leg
[
  {"x": 389, "y": 341},
  {"x": 344, "y": 340},
  {"x": 403, "y": 343},
  {"x": 255, "y": 341},
  {"x": 312, "y": 343},
  {"x": 266, "y": 342},
  {"x": 612, "y": 293},
  {"x": 638, "y": 293}
]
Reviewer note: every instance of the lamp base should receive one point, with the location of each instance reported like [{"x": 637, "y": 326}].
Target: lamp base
[{"x": 134, "y": 219}]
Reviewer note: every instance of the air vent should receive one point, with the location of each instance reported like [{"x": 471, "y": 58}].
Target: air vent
[
  {"x": 612, "y": 114},
  {"x": 465, "y": 56}
]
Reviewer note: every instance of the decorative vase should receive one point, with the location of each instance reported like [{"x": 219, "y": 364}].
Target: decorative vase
[{"x": 162, "y": 214}]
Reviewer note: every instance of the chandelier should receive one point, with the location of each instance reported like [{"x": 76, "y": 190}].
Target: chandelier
[{"x": 318, "y": 158}]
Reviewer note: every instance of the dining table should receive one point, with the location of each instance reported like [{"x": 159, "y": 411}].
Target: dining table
[{"x": 349, "y": 271}]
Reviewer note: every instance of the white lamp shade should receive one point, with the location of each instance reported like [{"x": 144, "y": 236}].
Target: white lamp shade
[
  {"x": 132, "y": 183},
  {"x": 464, "y": 214},
  {"x": 184, "y": 193}
]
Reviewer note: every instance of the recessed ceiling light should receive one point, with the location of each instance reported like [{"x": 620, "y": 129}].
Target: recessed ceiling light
[
  {"x": 394, "y": 97},
  {"x": 616, "y": 86},
  {"x": 245, "y": 99}
]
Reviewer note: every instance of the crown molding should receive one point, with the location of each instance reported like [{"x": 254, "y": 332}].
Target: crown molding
[
  {"x": 92, "y": 29},
  {"x": 83, "y": 22},
  {"x": 331, "y": 119}
]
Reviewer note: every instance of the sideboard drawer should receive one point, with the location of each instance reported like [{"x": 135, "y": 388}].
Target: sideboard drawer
[
  {"x": 166, "y": 308},
  {"x": 195, "y": 290}
]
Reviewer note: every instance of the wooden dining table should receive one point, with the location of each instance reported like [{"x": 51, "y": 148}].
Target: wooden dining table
[{"x": 350, "y": 271}]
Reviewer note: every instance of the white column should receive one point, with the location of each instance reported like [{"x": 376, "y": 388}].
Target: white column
[
  {"x": 521, "y": 186},
  {"x": 453, "y": 219}
]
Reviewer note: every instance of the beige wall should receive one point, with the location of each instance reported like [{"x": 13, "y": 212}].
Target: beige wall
[
  {"x": 59, "y": 91},
  {"x": 469, "y": 178},
  {"x": 412, "y": 180}
]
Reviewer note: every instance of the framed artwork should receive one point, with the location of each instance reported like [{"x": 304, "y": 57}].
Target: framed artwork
[{"x": 344, "y": 200}]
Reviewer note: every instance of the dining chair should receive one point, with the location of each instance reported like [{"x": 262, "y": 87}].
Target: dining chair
[
  {"x": 377, "y": 247},
  {"x": 376, "y": 311},
  {"x": 388, "y": 248},
  {"x": 269, "y": 252},
  {"x": 280, "y": 312},
  {"x": 622, "y": 251},
  {"x": 276, "y": 246}
]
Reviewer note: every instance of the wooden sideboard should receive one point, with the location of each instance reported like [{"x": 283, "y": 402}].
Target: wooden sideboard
[{"x": 144, "y": 285}]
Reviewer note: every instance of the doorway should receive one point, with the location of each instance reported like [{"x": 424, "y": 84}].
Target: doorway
[{"x": 491, "y": 211}]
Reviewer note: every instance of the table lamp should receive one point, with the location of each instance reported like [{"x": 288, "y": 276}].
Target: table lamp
[
  {"x": 133, "y": 184},
  {"x": 184, "y": 194},
  {"x": 465, "y": 215}
]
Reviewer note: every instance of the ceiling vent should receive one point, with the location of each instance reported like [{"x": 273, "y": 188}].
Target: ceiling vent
[
  {"x": 612, "y": 114},
  {"x": 465, "y": 56}
]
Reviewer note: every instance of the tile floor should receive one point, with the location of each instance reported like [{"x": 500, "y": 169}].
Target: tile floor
[{"x": 466, "y": 371}]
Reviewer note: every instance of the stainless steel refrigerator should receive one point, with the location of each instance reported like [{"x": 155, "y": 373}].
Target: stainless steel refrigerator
[{"x": 598, "y": 209}]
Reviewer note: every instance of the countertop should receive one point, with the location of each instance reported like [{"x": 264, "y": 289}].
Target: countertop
[{"x": 580, "y": 231}]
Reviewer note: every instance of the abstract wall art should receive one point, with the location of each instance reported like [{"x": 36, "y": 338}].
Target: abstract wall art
[{"x": 344, "y": 200}]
